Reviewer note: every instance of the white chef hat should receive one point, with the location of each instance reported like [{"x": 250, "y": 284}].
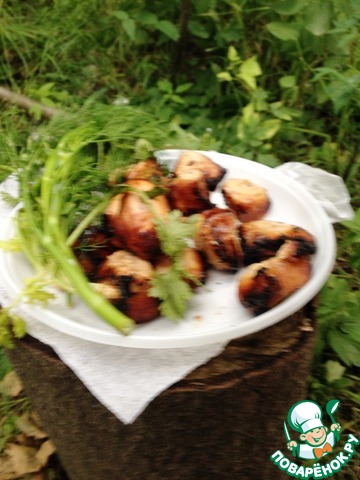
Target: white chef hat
[{"x": 304, "y": 416}]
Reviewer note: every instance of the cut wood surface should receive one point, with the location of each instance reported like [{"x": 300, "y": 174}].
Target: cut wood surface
[{"x": 222, "y": 422}]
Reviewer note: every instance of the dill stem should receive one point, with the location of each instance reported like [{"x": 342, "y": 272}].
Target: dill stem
[
  {"x": 65, "y": 259},
  {"x": 53, "y": 239},
  {"x": 85, "y": 222}
]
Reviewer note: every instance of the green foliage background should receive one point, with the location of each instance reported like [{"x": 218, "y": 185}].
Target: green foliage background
[{"x": 272, "y": 81}]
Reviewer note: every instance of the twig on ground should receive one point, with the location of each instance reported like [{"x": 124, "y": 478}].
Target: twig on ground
[{"x": 24, "y": 102}]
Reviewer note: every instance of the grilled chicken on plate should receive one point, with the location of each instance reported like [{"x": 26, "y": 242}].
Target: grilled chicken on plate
[
  {"x": 133, "y": 219},
  {"x": 217, "y": 236},
  {"x": 127, "y": 250},
  {"x": 125, "y": 280},
  {"x": 265, "y": 284},
  {"x": 248, "y": 200},
  {"x": 190, "y": 160},
  {"x": 261, "y": 239}
]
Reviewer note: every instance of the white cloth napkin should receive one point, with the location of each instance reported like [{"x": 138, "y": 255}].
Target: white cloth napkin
[{"x": 124, "y": 380}]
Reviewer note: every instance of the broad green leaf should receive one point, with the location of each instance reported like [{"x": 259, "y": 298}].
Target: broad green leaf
[
  {"x": 248, "y": 113},
  {"x": 318, "y": 17},
  {"x": 248, "y": 72},
  {"x": 334, "y": 370},
  {"x": 184, "y": 87},
  {"x": 288, "y": 81},
  {"x": 120, "y": 14},
  {"x": 288, "y": 7},
  {"x": 127, "y": 23},
  {"x": 45, "y": 89},
  {"x": 283, "y": 112},
  {"x": 283, "y": 31},
  {"x": 198, "y": 29},
  {"x": 348, "y": 351},
  {"x": 165, "y": 85},
  {"x": 269, "y": 128},
  {"x": 129, "y": 27},
  {"x": 251, "y": 67},
  {"x": 249, "y": 80},
  {"x": 148, "y": 18},
  {"x": 224, "y": 76},
  {"x": 177, "y": 99},
  {"x": 169, "y": 29},
  {"x": 232, "y": 55}
]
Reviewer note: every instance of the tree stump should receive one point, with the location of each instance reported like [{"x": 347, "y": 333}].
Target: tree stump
[{"x": 222, "y": 422}]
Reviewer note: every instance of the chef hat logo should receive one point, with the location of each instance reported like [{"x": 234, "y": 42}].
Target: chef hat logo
[{"x": 305, "y": 416}]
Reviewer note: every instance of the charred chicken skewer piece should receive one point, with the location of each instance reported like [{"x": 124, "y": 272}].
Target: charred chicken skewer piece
[
  {"x": 192, "y": 264},
  {"x": 189, "y": 192},
  {"x": 248, "y": 200},
  {"x": 133, "y": 220},
  {"x": 261, "y": 239},
  {"x": 125, "y": 280},
  {"x": 264, "y": 285},
  {"x": 217, "y": 236},
  {"x": 192, "y": 160}
]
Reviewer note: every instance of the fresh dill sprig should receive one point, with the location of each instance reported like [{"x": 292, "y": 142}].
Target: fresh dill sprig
[
  {"x": 11, "y": 324},
  {"x": 63, "y": 172}
]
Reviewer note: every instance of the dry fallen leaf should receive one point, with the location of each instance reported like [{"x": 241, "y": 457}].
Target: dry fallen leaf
[
  {"x": 28, "y": 455},
  {"x": 27, "y": 425},
  {"x": 23, "y": 459},
  {"x": 11, "y": 385},
  {"x": 45, "y": 451},
  {"x": 6, "y": 468}
]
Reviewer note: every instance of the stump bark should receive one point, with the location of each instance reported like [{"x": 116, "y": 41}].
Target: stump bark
[{"x": 222, "y": 422}]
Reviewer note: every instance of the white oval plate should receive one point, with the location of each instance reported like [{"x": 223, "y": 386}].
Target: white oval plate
[{"x": 215, "y": 313}]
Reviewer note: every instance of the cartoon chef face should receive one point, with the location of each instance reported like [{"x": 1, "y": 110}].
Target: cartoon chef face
[
  {"x": 315, "y": 437},
  {"x": 306, "y": 418}
]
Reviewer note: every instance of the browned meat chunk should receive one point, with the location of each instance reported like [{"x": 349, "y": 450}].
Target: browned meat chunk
[
  {"x": 192, "y": 263},
  {"x": 264, "y": 285},
  {"x": 261, "y": 239},
  {"x": 145, "y": 170},
  {"x": 218, "y": 237},
  {"x": 248, "y": 200},
  {"x": 125, "y": 280},
  {"x": 189, "y": 193},
  {"x": 132, "y": 219},
  {"x": 192, "y": 160}
]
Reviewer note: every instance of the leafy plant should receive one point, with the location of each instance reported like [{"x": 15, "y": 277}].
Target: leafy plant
[{"x": 338, "y": 321}]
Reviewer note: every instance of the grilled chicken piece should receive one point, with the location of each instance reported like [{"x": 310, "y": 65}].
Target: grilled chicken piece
[
  {"x": 248, "y": 200},
  {"x": 217, "y": 236},
  {"x": 189, "y": 192},
  {"x": 125, "y": 280},
  {"x": 146, "y": 170},
  {"x": 192, "y": 160},
  {"x": 192, "y": 263},
  {"x": 261, "y": 239},
  {"x": 132, "y": 220},
  {"x": 263, "y": 285}
]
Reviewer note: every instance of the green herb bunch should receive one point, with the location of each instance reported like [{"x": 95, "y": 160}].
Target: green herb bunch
[{"x": 63, "y": 176}]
